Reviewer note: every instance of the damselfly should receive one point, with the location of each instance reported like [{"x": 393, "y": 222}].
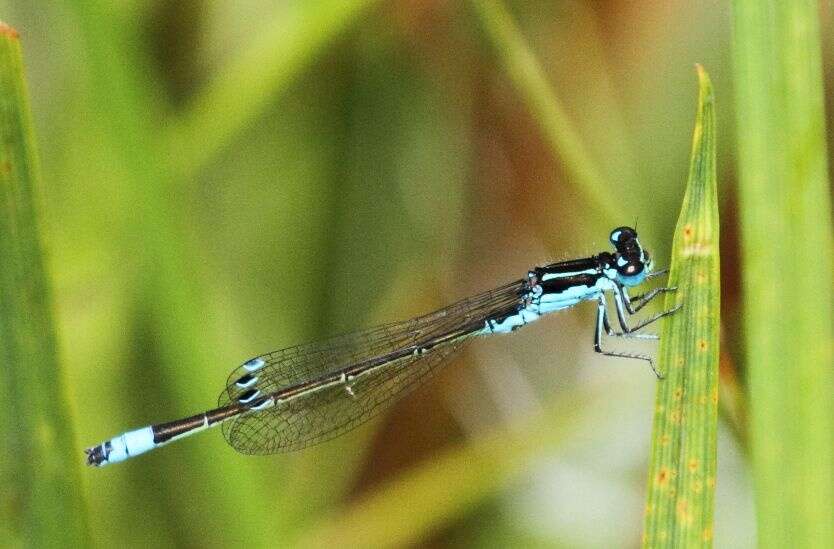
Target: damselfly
[{"x": 290, "y": 399}]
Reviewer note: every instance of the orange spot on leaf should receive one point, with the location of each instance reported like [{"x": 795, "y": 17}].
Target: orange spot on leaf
[
  {"x": 693, "y": 465},
  {"x": 682, "y": 511},
  {"x": 8, "y": 31}
]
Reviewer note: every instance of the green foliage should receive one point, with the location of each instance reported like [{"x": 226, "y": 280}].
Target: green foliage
[
  {"x": 446, "y": 485},
  {"x": 242, "y": 90},
  {"x": 787, "y": 247},
  {"x": 332, "y": 164},
  {"x": 681, "y": 483},
  {"x": 41, "y": 496},
  {"x": 528, "y": 77}
]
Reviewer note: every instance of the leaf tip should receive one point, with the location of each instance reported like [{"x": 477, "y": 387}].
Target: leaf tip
[{"x": 705, "y": 84}]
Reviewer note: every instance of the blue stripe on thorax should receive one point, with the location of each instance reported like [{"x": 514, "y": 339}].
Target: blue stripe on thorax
[{"x": 559, "y": 286}]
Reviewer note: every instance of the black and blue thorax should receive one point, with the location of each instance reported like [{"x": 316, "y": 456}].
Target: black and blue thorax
[{"x": 564, "y": 284}]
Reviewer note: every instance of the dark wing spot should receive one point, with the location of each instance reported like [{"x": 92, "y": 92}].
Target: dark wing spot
[
  {"x": 245, "y": 380},
  {"x": 247, "y": 397}
]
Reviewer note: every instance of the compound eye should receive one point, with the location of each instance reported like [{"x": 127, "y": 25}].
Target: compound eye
[
  {"x": 622, "y": 234},
  {"x": 631, "y": 268}
]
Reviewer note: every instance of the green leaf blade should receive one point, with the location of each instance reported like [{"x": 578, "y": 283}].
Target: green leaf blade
[
  {"x": 530, "y": 80},
  {"x": 242, "y": 90},
  {"x": 785, "y": 210},
  {"x": 41, "y": 501},
  {"x": 681, "y": 483}
]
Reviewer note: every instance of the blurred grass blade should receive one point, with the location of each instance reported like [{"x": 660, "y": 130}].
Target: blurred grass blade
[
  {"x": 785, "y": 202},
  {"x": 245, "y": 88},
  {"x": 529, "y": 79},
  {"x": 41, "y": 502},
  {"x": 442, "y": 489},
  {"x": 681, "y": 484},
  {"x": 169, "y": 293}
]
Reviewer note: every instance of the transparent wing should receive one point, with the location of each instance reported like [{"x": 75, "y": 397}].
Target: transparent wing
[{"x": 320, "y": 415}]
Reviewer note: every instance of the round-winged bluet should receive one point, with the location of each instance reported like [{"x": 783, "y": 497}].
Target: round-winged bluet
[{"x": 296, "y": 397}]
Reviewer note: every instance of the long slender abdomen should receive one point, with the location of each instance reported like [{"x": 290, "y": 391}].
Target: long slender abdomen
[{"x": 134, "y": 443}]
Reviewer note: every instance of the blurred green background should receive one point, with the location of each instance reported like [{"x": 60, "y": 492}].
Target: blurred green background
[{"x": 221, "y": 179}]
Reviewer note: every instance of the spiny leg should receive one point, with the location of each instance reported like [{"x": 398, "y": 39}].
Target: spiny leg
[
  {"x": 602, "y": 323},
  {"x": 620, "y": 306},
  {"x": 637, "y": 302},
  {"x": 634, "y": 304},
  {"x": 610, "y": 331},
  {"x": 661, "y": 272}
]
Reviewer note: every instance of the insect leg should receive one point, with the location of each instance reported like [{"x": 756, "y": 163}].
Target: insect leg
[
  {"x": 637, "y": 302},
  {"x": 621, "y": 312},
  {"x": 661, "y": 272},
  {"x": 610, "y": 331},
  {"x": 603, "y": 324}
]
